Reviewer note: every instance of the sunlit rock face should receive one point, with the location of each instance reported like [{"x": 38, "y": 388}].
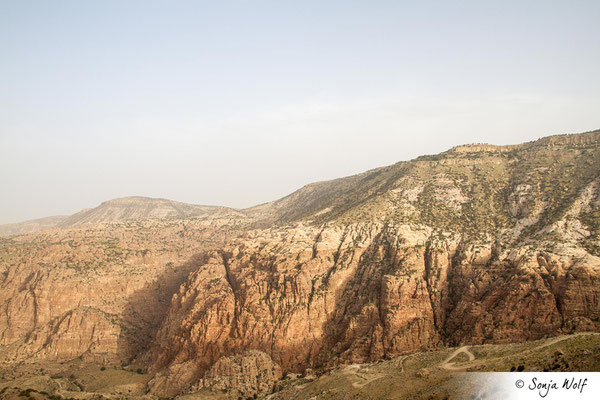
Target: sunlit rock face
[{"x": 362, "y": 293}]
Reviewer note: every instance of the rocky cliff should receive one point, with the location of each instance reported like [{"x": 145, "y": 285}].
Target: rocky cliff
[
  {"x": 96, "y": 292},
  {"x": 480, "y": 244},
  {"x": 357, "y": 294}
]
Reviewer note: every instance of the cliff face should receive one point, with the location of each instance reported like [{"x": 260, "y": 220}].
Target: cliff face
[
  {"x": 481, "y": 244},
  {"x": 320, "y": 298},
  {"x": 96, "y": 292}
]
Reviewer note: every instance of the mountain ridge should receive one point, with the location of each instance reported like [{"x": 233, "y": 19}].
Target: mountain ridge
[
  {"x": 119, "y": 209},
  {"x": 271, "y": 212}
]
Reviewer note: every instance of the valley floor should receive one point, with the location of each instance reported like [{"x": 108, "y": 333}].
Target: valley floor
[{"x": 427, "y": 375}]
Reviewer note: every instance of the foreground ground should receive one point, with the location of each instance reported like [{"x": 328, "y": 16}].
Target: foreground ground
[{"x": 427, "y": 375}]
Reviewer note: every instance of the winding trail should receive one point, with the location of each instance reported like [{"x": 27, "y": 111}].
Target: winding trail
[
  {"x": 451, "y": 366},
  {"x": 359, "y": 376},
  {"x": 446, "y": 364},
  {"x": 355, "y": 371},
  {"x": 366, "y": 381}
]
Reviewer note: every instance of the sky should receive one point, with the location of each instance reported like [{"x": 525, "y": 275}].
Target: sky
[{"x": 237, "y": 103}]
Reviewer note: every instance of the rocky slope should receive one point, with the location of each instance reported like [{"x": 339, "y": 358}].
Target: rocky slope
[
  {"x": 480, "y": 244},
  {"x": 96, "y": 292}
]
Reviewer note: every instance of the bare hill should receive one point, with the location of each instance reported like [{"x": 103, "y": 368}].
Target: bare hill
[
  {"x": 31, "y": 226},
  {"x": 120, "y": 209},
  {"x": 137, "y": 208}
]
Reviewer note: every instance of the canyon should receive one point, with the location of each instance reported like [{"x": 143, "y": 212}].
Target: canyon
[{"x": 480, "y": 245}]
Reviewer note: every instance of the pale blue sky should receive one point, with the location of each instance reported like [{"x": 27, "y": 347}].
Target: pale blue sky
[{"x": 241, "y": 102}]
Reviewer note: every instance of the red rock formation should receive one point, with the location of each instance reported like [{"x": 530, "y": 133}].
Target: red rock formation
[{"x": 363, "y": 292}]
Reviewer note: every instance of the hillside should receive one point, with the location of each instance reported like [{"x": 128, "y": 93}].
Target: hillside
[
  {"x": 118, "y": 210},
  {"x": 137, "y": 208},
  {"x": 479, "y": 187},
  {"x": 21, "y": 228},
  {"x": 479, "y": 245}
]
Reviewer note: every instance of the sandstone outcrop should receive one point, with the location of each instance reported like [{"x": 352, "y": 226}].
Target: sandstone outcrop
[
  {"x": 251, "y": 373},
  {"x": 368, "y": 292},
  {"x": 246, "y": 375}
]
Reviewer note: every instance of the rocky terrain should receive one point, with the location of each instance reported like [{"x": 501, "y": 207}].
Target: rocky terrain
[
  {"x": 432, "y": 375},
  {"x": 478, "y": 245},
  {"x": 96, "y": 292}
]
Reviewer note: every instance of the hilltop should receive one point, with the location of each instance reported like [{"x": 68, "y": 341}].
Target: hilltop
[
  {"x": 33, "y": 225},
  {"x": 138, "y": 208},
  {"x": 121, "y": 209}
]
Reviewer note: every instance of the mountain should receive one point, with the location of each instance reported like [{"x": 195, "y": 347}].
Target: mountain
[
  {"x": 469, "y": 184},
  {"x": 117, "y": 210},
  {"x": 478, "y": 245},
  {"x": 138, "y": 208},
  {"x": 32, "y": 225}
]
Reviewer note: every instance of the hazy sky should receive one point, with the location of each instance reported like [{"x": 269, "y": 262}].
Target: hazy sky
[{"x": 241, "y": 102}]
